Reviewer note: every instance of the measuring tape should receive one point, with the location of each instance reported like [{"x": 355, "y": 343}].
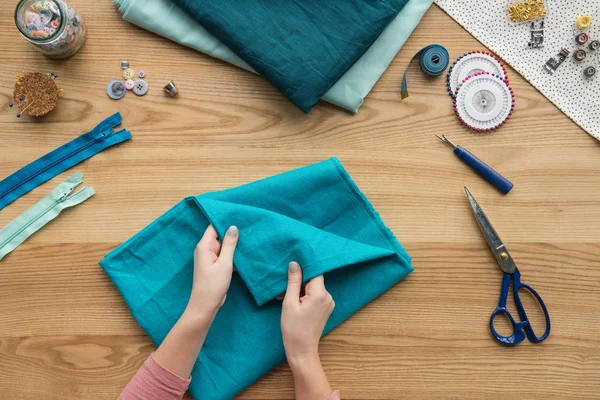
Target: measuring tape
[{"x": 433, "y": 60}]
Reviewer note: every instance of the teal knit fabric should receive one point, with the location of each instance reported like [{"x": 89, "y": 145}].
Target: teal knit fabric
[
  {"x": 315, "y": 215},
  {"x": 302, "y": 47}
]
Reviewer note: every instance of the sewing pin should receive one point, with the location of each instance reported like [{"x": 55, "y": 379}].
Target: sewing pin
[
  {"x": 484, "y": 170},
  {"x": 23, "y": 110}
]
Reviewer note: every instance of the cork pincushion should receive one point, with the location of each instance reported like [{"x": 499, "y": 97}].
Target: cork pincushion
[{"x": 39, "y": 93}]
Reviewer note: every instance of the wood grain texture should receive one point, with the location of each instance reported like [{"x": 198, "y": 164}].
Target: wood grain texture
[{"x": 65, "y": 332}]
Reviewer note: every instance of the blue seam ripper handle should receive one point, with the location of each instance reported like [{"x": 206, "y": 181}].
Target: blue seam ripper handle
[{"x": 500, "y": 182}]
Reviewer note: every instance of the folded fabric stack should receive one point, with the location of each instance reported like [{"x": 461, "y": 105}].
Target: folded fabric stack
[{"x": 307, "y": 49}]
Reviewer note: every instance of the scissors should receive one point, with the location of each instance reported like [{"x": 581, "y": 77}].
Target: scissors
[{"x": 522, "y": 328}]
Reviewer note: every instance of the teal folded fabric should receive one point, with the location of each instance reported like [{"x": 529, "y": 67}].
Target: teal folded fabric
[
  {"x": 315, "y": 215},
  {"x": 166, "y": 19},
  {"x": 296, "y": 45}
]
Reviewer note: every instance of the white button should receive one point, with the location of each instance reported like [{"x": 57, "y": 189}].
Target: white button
[{"x": 140, "y": 88}]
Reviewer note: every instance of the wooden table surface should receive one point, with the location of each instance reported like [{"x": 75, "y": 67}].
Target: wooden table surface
[{"x": 66, "y": 333}]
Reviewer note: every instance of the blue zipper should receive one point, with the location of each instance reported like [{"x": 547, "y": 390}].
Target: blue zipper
[
  {"x": 99, "y": 138},
  {"x": 61, "y": 159}
]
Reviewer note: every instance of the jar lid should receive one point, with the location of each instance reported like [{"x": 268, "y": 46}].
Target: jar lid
[{"x": 40, "y": 20}]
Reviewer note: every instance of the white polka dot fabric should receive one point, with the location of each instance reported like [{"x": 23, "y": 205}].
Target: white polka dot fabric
[{"x": 577, "y": 96}]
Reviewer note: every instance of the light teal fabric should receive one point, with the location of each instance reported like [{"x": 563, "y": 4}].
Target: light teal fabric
[
  {"x": 164, "y": 18},
  {"x": 34, "y": 219},
  {"x": 315, "y": 215}
]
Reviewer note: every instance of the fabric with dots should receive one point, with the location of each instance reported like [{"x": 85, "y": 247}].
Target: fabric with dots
[{"x": 568, "y": 88}]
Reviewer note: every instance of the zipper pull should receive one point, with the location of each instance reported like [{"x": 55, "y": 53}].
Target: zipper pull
[{"x": 101, "y": 136}]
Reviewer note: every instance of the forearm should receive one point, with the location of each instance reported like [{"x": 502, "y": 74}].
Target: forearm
[
  {"x": 309, "y": 377},
  {"x": 180, "y": 349}
]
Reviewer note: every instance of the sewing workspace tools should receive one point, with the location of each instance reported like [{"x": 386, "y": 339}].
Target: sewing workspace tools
[
  {"x": 579, "y": 55},
  {"x": 536, "y": 40},
  {"x": 468, "y": 65},
  {"x": 433, "y": 60},
  {"x": 62, "y": 158},
  {"x": 484, "y": 170},
  {"x": 552, "y": 64},
  {"x": 523, "y": 328},
  {"x": 36, "y": 94},
  {"x": 583, "y": 22},
  {"x": 171, "y": 89},
  {"x": 52, "y": 26},
  {"x": 521, "y": 11},
  {"x": 34, "y": 219},
  {"x": 589, "y": 72},
  {"x": 117, "y": 89},
  {"x": 484, "y": 102}
]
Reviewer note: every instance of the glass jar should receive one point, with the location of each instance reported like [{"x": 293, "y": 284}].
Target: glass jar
[{"x": 53, "y": 26}]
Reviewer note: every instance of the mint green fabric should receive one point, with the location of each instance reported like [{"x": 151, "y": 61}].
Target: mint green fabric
[
  {"x": 315, "y": 215},
  {"x": 166, "y": 19},
  {"x": 34, "y": 219}
]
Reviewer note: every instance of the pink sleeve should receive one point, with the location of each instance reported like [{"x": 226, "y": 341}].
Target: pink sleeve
[
  {"x": 155, "y": 382},
  {"x": 334, "y": 396}
]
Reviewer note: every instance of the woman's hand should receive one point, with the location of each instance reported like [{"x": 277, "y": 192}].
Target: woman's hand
[
  {"x": 303, "y": 318},
  {"x": 213, "y": 267}
]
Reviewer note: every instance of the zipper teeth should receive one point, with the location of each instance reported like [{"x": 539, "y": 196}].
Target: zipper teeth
[
  {"x": 47, "y": 167},
  {"x": 61, "y": 199},
  {"x": 31, "y": 222}
]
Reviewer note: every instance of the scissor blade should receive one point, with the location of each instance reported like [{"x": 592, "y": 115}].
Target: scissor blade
[{"x": 491, "y": 237}]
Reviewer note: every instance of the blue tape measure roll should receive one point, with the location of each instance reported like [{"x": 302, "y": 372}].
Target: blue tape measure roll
[{"x": 433, "y": 59}]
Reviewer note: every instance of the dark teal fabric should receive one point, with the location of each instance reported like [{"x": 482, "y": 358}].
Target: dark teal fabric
[
  {"x": 314, "y": 215},
  {"x": 302, "y": 47}
]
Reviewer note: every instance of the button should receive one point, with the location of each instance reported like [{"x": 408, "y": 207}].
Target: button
[
  {"x": 46, "y": 16},
  {"x": 125, "y": 64},
  {"x": 129, "y": 84},
  {"x": 141, "y": 74},
  {"x": 116, "y": 90},
  {"x": 128, "y": 74},
  {"x": 54, "y": 9},
  {"x": 141, "y": 87},
  {"x": 594, "y": 45}
]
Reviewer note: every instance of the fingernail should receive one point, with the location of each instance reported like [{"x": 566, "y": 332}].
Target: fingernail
[
  {"x": 294, "y": 266},
  {"x": 232, "y": 231}
]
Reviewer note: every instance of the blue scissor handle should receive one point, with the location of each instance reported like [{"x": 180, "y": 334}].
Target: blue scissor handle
[
  {"x": 523, "y": 328},
  {"x": 518, "y": 335},
  {"x": 523, "y": 315}
]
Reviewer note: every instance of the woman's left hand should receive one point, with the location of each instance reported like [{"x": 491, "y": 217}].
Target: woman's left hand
[{"x": 213, "y": 267}]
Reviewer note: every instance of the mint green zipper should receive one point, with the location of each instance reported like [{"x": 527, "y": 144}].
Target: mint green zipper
[{"x": 32, "y": 220}]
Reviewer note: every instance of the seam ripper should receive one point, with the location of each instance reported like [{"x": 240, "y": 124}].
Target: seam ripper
[{"x": 484, "y": 170}]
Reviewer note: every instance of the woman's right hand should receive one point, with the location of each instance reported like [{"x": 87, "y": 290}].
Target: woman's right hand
[{"x": 304, "y": 315}]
